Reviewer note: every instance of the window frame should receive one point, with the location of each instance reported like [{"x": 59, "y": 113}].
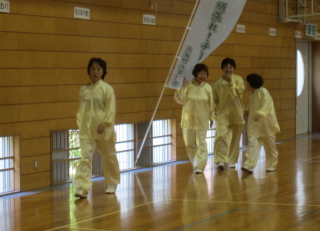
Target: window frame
[{"x": 16, "y": 164}]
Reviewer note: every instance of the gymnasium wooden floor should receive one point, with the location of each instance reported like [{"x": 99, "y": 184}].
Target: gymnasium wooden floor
[{"x": 171, "y": 197}]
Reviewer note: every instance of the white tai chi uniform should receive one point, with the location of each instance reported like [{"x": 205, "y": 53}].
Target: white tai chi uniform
[
  {"x": 196, "y": 112},
  {"x": 97, "y": 106},
  {"x": 262, "y": 131},
  {"x": 229, "y": 118}
]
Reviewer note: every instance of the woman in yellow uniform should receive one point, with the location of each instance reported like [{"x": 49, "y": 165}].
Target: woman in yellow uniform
[
  {"x": 227, "y": 95},
  {"x": 95, "y": 119},
  {"x": 262, "y": 126},
  {"x": 197, "y": 111}
]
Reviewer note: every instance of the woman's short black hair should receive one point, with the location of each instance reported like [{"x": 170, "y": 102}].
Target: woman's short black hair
[
  {"x": 101, "y": 63},
  {"x": 198, "y": 68},
  {"x": 227, "y": 61},
  {"x": 255, "y": 80}
]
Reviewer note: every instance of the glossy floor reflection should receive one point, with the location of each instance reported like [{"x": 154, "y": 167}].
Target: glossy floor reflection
[{"x": 171, "y": 197}]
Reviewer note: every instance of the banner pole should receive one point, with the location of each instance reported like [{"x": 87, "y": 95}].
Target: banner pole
[{"x": 165, "y": 83}]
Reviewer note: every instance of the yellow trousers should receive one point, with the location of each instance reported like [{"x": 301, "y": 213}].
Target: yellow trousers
[
  {"x": 196, "y": 145},
  {"x": 82, "y": 178},
  {"x": 254, "y": 147},
  {"x": 226, "y": 144}
]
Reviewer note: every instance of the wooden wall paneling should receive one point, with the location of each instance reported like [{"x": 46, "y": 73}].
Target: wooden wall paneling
[
  {"x": 27, "y": 164},
  {"x": 31, "y": 24},
  {"x": 9, "y": 41},
  {"x": 182, "y": 155},
  {"x": 289, "y": 114},
  {"x": 5, "y": 81},
  {"x": 139, "y": 90},
  {"x": 285, "y": 104},
  {"x": 119, "y": 76},
  {"x": 47, "y": 111},
  {"x": 24, "y": 95},
  {"x": 35, "y": 180},
  {"x": 87, "y": 28},
  {"x": 287, "y": 124},
  {"x": 9, "y": 114},
  {"x": 262, "y": 7},
  {"x": 65, "y": 123},
  {"x": 47, "y": 42},
  {"x": 267, "y": 62},
  {"x": 283, "y": 94},
  {"x": 259, "y": 18},
  {"x": 30, "y": 129},
  {"x": 48, "y": 77},
  {"x": 116, "y": 3},
  {"x": 67, "y": 93},
  {"x": 35, "y": 146},
  {"x": 27, "y": 59}
]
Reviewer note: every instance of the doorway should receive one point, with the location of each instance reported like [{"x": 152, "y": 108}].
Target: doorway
[{"x": 303, "y": 57}]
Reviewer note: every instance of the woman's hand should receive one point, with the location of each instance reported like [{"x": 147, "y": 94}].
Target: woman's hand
[
  {"x": 100, "y": 129},
  {"x": 185, "y": 82}
]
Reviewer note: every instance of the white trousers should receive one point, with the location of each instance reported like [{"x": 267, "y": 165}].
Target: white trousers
[
  {"x": 254, "y": 147},
  {"x": 226, "y": 144},
  {"x": 196, "y": 145},
  {"x": 82, "y": 178}
]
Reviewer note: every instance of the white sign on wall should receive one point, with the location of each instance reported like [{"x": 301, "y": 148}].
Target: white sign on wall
[
  {"x": 241, "y": 28},
  {"x": 297, "y": 34},
  {"x": 83, "y": 13},
  {"x": 149, "y": 19},
  {"x": 317, "y": 36},
  {"x": 272, "y": 31},
  {"x": 5, "y": 6}
]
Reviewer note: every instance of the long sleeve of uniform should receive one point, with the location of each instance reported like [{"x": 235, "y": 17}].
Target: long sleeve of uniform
[
  {"x": 180, "y": 95},
  {"x": 197, "y": 104},
  {"x": 228, "y": 100},
  {"x": 236, "y": 87},
  {"x": 110, "y": 109},
  {"x": 97, "y": 106},
  {"x": 79, "y": 107},
  {"x": 261, "y": 103}
]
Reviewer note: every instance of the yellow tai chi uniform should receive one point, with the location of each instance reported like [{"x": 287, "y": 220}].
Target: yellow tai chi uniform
[
  {"x": 97, "y": 106},
  {"x": 229, "y": 118},
  {"x": 196, "y": 112},
  {"x": 263, "y": 131}
]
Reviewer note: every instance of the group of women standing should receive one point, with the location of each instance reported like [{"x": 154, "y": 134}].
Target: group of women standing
[
  {"x": 202, "y": 104},
  {"x": 222, "y": 102}
]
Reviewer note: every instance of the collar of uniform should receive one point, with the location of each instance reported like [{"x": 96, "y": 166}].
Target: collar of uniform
[
  {"x": 96, "y": 83},
  {"x": 197, "y": 84}
]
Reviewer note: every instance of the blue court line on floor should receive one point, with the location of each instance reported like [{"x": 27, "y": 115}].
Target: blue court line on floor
[
  {"x": 208, "y": 219},
  {"x": 301, "y": 222}
]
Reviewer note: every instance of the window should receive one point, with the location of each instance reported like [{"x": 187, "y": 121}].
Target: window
[
  {"x": 9, "y": 164},
  {"x": 158, "y": 146},
  {"x": 211, "y": 136},
  {"x": 125, "y": 145}
]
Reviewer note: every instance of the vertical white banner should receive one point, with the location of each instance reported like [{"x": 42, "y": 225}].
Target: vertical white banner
[{"x": 212, "y": 23}]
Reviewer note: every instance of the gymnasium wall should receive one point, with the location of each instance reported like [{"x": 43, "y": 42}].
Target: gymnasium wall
[{"x": 44, "y": 52}]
